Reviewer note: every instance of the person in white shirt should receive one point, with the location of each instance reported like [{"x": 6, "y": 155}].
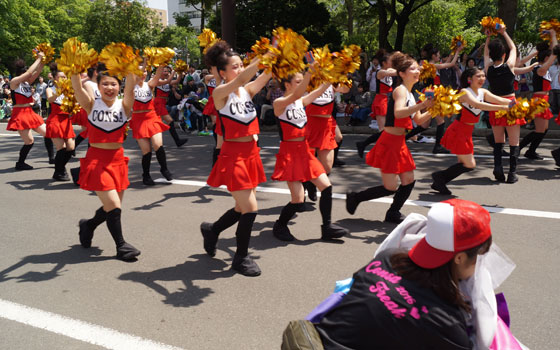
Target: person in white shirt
[
  {"x": 554, "y": 98},
  {"x": 370, "y": 74}
]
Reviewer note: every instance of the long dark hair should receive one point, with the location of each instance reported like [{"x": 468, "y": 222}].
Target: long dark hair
[
  {"x": 496, "y": 49},
  {"x": 543, "y": 51},
  {"x": 440, "y": 280},
  {"x": 102, "y": 72},
  {"x": 20, "y": 67},
  {"x": 467, "y": 74}
]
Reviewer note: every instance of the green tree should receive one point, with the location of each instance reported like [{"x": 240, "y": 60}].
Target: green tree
[
  {"x": 65, "y": 17},
  {"x": 177, "y": 37}
]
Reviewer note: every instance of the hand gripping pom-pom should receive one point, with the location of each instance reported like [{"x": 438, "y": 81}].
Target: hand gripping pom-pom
[
  {"x": 546, "y": 26},
  {"x": 491, "y": 24},
  {"x": 121, "y": 60},
  {"x": 46, "y": 49},
  {"x": 323, "y": 68},
  {"x": 75, "y": 57},
  {"x": 446, "y": 101},
  {"x": 158, "y": 56},
  {"x": 457, "y": 42},
  {"x": 520, "y": 110}
]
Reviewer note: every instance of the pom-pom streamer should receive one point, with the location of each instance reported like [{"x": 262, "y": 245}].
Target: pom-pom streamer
[
  {"x": 121, "y": 60},
  {"x": 75, "y": 57},
  {"x": 446, "y": 101},
  {"x": 45, "y": 48}
]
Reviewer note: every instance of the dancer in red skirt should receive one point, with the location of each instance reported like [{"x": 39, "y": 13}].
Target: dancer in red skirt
[
  {"x": 384, "y": 78},
  {"x": 295, "y": 162},
  {"x": 23, "y": 119},
  {"x": 541, "y": 86},
  {"x": 147, "y": 127},
  {"x": 390, "y": 154},
  {"x": 210, "y": 110},
  {"x": 501, "y": 76},
  {"x": 458, "y": 137},
  {"x": 161, "y": 93},
  {"x": 59, "y": 128},
  {"x": 239, "y": 165},
  {"x": 105, "y": 168}
]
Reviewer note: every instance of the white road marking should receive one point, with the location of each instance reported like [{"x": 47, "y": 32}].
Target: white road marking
[
  {"x": 498, "y": 210},
  {"x": 80, "y": 330}
]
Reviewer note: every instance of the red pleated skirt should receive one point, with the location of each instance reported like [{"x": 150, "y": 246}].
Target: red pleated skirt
[
  {"x": 503, "y": 121},
  {"x": 557, "y": 120},
  {"x": 319, "y": 133},
  {"x": 59, "y": 126},
  {"x": 391, "y": 155},
  {"x": 81, "y": 118},
  {"x": 24, "y": 118},
  {"x": 296, "y": 162},
  {"x": 458, "y": 138},
  {"x": 210, "y": 108},
  {"x": 159, "y": 106},
  {"x": 239, "y": 167},
  {"x": 146, "y": 125},
  {"x": 379, "y": 105},
  {"x": 104, "y": 170},
  {"x": 548, "y": 113}
]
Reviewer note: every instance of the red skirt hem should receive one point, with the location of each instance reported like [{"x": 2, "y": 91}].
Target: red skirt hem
[
  {"x": 503, "y": 121},
  {"x": 391, "y": 155},
  {"x": 104, "y": 170},
  {"x": 379, "y": 105},
  {"x": 24, "y": 118},
  {"x": 146, "y": 125},
  {"x": 59, "y": 126},
  {"x": 458, "y": 138},
  {"x": 295, "y": 162},
  {"x": 319, "y": 133}
]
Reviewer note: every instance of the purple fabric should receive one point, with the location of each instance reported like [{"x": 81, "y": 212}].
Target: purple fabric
[
  {"x": 326, "y": 305},
  {"x": 503, "y": 310}
]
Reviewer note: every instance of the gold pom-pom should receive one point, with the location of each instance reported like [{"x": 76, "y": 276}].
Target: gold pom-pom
[
  {"x": 537, "y": 105},
  {"x": 181, "y": 66},
  {"x": 548, "y": 25},
  {"x": 345, "y": 62},
  {"x": 323, "y": 67},
  {"x": 207, "y": 38},
  {"x": 247, "y": 58},
  {"x": 158, "y": 56},
  {"x": 457, "y": 42},
  {"x": 120, "y": 60},
  {"x": 69, "y": 103},
  {"x": 446, "y": 101},
  {"x": 489, "y": 23},
  {"x": 518, "y": 111},
  {"x": 75, "y": 57},
  {"x": 45, "y": 48},
  {"x": 427, "y": 71}
]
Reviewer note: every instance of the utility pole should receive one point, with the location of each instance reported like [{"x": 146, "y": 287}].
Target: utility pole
[{"x": 228, "y": 21}]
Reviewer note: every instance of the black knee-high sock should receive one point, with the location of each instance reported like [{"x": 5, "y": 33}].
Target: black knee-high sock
[
  {"x": 498, "y": 147},
  {"x": 66, "y": 157},
  {"x": 79, "y": 140},
  {"x": 454, "y": 171},
  {"x": 288, "y": 213},
  {"x": 440, "y": 130},
  {"x": 513, "y": 156},
  {"x": 227, "y": 220},
  {"x": 146, "y": 160},
  {"x": 243, "y": 233},
  {"x": 114, "y": 226},
  {"x": 99, "y": 217},
  {"x": 418, "y": 129},
  {"x": 372, "y": 193},
  {"x": 23, "y": 152},
  {"x": 539, "y": 136},
  {"x": 338, "y": 144},
  {"x": 528, "y": 139},
  {"x": 310, "y": 187},
  {"x": 173, "y": 133},
  {"x": 50, "y": 147},
  {"x": 59, "y": 160},
  {"x": 161, "y": 158},
  {"x": 371, "y": 139},
  {"x": 325, "y": 205},
  {"x": 402, "y": 194},
  {"x": 215, "y": 155}
]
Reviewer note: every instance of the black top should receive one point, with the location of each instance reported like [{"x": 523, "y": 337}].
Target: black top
[
  {"x": 501, "y": 80},
  {"x": 538, "y": 81},
  {"x": 385, "y": 311}
]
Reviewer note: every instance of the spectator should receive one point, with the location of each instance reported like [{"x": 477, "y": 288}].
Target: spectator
[
  {"x": 554, "y": 98},
  {"x": 362, "y": 106},
  {"x": 273, "y": 92},
  {"x": 175, "y": 96},
  {"x": 189, "y": 86},
  {"x": 193, "y": 74},
  {"x": 6, "y": 83},
  {"x": 41, "y": 88},
  {"x": 370, "y": 75},
  {"x": 36, "y": 100}
]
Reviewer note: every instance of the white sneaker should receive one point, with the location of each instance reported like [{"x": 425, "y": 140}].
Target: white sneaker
[
  {"x": 373, "y": 125},
  {"x": 425, "y": 139}
]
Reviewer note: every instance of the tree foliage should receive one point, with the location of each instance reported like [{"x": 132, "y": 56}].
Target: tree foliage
[{"x": 183, "y": 39}]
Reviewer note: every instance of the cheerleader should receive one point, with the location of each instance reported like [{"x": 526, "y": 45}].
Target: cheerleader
[
  {"x": 541, "y": 86},
  {"x": 390, "y": 154},
  {"x": 59, "y": 129},
  {"x": 161, "y": 93},
  {"x": 384, "y": 87},
  {"x": 458, "y": 137},
  {"x": 239, "y": 165},
  {"x": 105, "y": 168},
  {"x": 501, "y": 76},
  {"x": 147, "y": 126},
  {"x": 295, "y": 162},
  {"x": 23, "y": 119}
]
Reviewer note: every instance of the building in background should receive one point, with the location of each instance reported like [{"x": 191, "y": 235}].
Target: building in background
[
  {"x": 181, "y": 7},
  {"x": 161, "y": 15}
]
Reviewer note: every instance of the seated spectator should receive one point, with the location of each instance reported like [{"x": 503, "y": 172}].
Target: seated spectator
[
  {"x": 273, "y": 92},
  {"x": 362, "y": 106}
]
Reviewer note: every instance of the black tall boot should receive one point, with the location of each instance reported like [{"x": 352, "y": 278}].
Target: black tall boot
[
  {"x": 355, "y": 198},
  {"x": 498, "y": 168},
  {"x": 280, "y": 229},
  {"x": 417, "y": 130},
  {"x": 125, "y": 251},
  {"x": 531, "y": 152},
  {"x": 215, "y": 155},
  {"x": 440, "y": 130},
  {"x": 361, "y": 145},
  {"x": 87, "y": 227},
  {"x": 23, "y": 152},
  {"x": 513, "y": 155},
  {"x": 556, "y": 156},
  {"x": 162, "y": 160},
  {"x": 146, "y": 161},
  {"x": 337, "y": 162},
  {"x": 50, "y": 149},
  {"x": 175, "y": 136},
  {"x": 242, "y": 263},
  {"x": 210, "y": 231},
  {"x": 393, "y": 214},
  {"x": 328, "y": 229},
  {"x": 527, "y": 140},
  {"x": 492, "y": 142},
  {"x": 60, "y": 161},
  {"x": 78, "y": 140},
  {"x": 311, "y": 190},
  {"x": 441, "y": 178}
]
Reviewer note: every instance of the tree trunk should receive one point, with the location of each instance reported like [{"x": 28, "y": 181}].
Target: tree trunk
[
  {"x": 384, "y": 27},
  {"x": 228, "y": 21},
  {"x": 507, "y": 10},
  {"x": 401, "y": 28},
  {"x": 202, "y": 14},
  {"x": 350, "y": 10}
]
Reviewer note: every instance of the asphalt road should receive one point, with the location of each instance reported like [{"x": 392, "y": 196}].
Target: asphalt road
[{"x": 176, "y": 295}]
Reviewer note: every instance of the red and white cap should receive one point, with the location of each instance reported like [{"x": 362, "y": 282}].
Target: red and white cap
[{"x": 453, "y": 226}]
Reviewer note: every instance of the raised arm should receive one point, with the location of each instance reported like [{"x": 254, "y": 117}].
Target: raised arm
[
  {"x": 31, "y": 74},
  {"x": 523, "y": 70},
  {"x": 51, "y": 95},
  {"x": 258, "y": 84},
  {"x": 153, "y": 82},
  {"x": 512, "y": 49},
  {"x": 453, "y": 61},
  {"x": 177, "y": 80},
  {"x": 128, "y": 99},
  {"x": 390, "y": 72},
  {"x": 83, "y": 98},
  {"x": 221, "y": 92},
  {"x": 526, "y": 59},
  {"x": 313, "y": 95},
  {"x": 401, "y": 109},
  {"x": 487, "y": 61},
  {"x": 281, "y": 103}
]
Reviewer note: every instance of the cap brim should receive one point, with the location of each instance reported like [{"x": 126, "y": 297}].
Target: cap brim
[{"x": 428, "y": 257}]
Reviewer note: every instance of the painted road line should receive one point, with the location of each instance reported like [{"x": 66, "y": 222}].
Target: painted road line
[
  {"x": 77, "y": 329},
  {"x": 497, "y": 210}
]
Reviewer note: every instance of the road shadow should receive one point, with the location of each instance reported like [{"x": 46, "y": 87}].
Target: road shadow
[
  {"x": 360, "y": 225},
  {"x": 42, "y": 184},
  {"x": 72, "y": 256},
  {"x": 199, "y": 267},
  {"x": 203, "y": 193}
]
